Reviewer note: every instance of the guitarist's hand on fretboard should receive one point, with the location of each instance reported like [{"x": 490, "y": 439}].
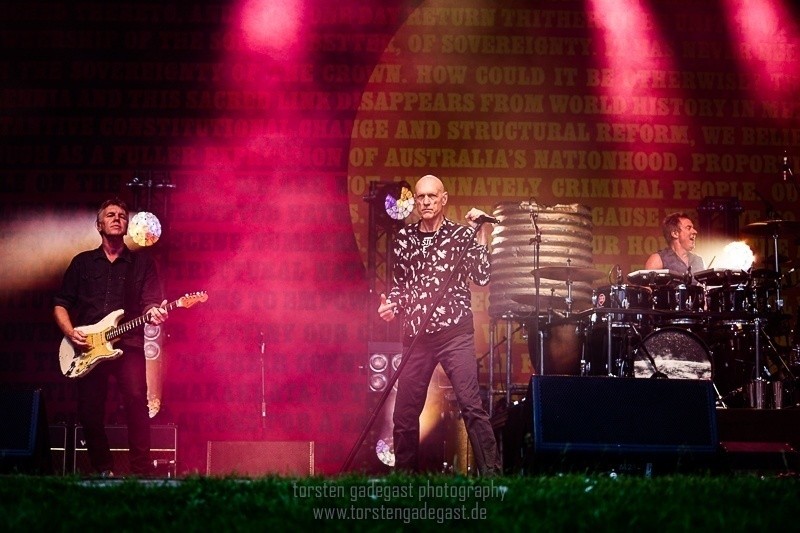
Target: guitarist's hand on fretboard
[{"x": 157, "y": 315}]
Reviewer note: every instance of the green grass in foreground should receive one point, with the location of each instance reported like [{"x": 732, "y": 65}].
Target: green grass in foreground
[{"x": 393, "y": 503}]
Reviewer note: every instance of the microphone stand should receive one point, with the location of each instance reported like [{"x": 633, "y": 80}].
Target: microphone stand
[
  {"x": 536, "y": 240},
  {"x": 406, "y": 353},
  {"x": 263, "y": 387}
]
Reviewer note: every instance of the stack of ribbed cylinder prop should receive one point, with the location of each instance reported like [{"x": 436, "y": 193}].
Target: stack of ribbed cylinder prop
[{"x": 566, "y": 232}]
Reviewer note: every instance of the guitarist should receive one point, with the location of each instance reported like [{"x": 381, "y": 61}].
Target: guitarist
[{"x": 96, "y": 283}]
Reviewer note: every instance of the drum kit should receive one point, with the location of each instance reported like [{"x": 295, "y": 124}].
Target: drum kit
[{"x": 723, "y": 325}]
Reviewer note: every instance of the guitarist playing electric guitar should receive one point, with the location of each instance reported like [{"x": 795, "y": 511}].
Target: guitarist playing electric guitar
[{"x": 96, "y": 283}]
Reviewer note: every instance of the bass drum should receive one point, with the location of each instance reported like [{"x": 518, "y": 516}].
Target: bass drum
[{"x": 677, "y": 354}]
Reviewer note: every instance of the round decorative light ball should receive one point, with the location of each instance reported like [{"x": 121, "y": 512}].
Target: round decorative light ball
[{"x": 144, "y": 228}]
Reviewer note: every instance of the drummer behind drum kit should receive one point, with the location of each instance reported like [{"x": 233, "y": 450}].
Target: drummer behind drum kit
[{"x": 717, "y": 324}]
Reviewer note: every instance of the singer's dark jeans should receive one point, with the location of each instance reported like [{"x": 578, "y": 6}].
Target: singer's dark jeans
[
  {"x": 457, "y": 357},
  {"x": 130, "y": 373}
]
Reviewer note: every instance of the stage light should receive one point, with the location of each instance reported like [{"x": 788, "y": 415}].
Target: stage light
[
  {"x": 384, "y": 358},
  {"x": 384, "y": 449},
  {"x": 270, "y": 26},
  {"x": 392, "y": 202},
  {"x": 144, "y": 228},
  {"x": 765, "y": 31},
  {"x": 737, "y": 255},
  {"x": 398, "y": 200},
  {"x": 378, "y": 382},
  {"x": 378, "y": 362}
]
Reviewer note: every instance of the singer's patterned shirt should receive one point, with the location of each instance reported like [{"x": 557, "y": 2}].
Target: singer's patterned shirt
[{"x": 422, "y": 264}]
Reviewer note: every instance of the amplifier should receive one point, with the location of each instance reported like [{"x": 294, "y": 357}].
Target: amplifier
[
  {"x": 163, "y": 450},
  {"x": 58, "y": 449},
  {"x": 260, "y": 458}
]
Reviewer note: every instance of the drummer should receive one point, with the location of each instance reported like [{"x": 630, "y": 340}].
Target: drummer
[{"x": 677, "y": 256}]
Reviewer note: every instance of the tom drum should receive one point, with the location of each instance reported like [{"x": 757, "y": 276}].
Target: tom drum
[{"x": 624, "y": 297}]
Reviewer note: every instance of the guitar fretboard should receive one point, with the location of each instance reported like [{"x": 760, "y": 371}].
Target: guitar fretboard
[{"x": 113, "y": 333}]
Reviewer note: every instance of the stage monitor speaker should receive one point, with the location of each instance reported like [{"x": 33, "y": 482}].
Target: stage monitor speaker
[
  {"x": 163, "y": 450},
  {"x": 610, "y": 415},
  {"x": 260, "y": 458},
  {"x": 24, "y": 438}
]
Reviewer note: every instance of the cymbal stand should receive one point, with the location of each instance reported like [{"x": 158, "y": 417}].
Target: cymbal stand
[
  {"x": 568, "y": 300},
  {"x": 758, "y": 382},
  {"x": 610, "y": 367},
  {"x": 778, "y": 299},
  {"x": 494, "y": 345}
]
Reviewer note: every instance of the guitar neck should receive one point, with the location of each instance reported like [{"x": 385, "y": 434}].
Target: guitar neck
[{"x": 125, "y": 327}]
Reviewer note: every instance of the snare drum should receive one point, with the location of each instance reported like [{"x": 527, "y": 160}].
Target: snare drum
[
  {"x": 676, "y": 353},
  {"x": 623, "y": 297}
]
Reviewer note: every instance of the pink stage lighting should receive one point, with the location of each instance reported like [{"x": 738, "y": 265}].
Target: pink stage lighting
[
  {"x": 270, "y": 26},
  {"x": 767, "y": 39}
]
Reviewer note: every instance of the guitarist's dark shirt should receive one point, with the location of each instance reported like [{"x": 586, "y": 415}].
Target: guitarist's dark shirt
[{"x": 93, "y": 287}]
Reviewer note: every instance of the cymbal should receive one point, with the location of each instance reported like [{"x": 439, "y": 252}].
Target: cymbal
[
  {"x": 658, "y": 277},
  {"x": 772, "y": 227},
  {"x": 568, "y": 273},
  {"x": 764, "y": 273},
  {"x": 545, "y": 300},
  {"x": 722, "y": 276}
]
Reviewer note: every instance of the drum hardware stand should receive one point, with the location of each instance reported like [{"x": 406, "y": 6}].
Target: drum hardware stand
[
  {"x": 778, "y": 298},
  {"x": 568, "y": 299},
  {"x": 610, "y": 366},
  {"x": 610, "y": 350},
  {"x": 536, "y": 241},
  {"x": 762, "y": 368},
  {"x": 509, "y": 335},
  {"x": 493, "y": 345},
  {"x": 658, "y": 374},
  {"x": 758, "y": 383}
]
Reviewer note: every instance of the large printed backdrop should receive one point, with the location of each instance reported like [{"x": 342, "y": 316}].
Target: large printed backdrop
[{"x": 272, "y": 118}]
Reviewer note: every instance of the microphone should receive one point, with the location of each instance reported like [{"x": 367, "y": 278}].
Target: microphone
[
  {"x": 262, "y": 343},
  {"x": 486, "y": 218}
]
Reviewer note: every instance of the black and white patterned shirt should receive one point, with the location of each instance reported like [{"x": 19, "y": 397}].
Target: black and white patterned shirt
[{"x": 422, "y": 263}]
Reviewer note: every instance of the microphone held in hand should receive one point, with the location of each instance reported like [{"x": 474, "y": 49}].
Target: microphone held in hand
[{"x": 486, "y": 218}]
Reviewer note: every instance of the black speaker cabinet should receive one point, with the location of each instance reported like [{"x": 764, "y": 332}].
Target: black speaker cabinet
[
  {"x": 24, "y": 439},
  {"x": 163, "y": 450},
  {"x": 260, "y": 458},
  {"x": 623, "y": 417}
]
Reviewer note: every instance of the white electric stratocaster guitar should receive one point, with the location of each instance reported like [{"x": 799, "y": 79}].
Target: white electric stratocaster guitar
[{"x": 76, "y": 363}]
